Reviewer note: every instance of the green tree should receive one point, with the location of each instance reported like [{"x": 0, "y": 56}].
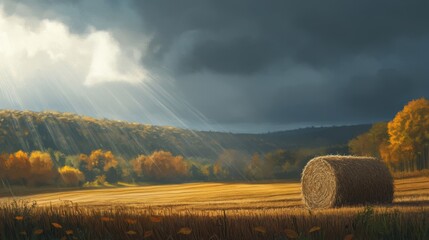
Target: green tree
[
  {"x": 275, "y": 163},
  {"x": 368, "y": 144},
  {"x": 197, "y": 173},
  {"x": 113, "y": 175}
]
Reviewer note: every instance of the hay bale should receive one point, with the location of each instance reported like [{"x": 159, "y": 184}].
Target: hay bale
[{"x": 332, "y": 181}]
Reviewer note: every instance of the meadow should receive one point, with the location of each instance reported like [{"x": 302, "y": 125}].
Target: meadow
[{"x": 270, "y": 210}]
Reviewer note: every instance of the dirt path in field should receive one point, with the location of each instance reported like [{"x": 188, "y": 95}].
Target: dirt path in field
[{"x": 213, "y": 196}]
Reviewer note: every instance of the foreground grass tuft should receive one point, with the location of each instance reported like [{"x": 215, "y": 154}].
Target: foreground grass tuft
[{"x": 26, "y": 220}]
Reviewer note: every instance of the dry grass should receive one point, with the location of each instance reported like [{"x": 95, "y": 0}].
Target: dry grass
[
  {"x": 336, "y": 180},
  {"x": 414, "y": 174},
  {"x": 211, "y": 211}
]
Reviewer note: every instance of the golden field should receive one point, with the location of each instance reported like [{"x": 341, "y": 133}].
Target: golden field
[
  {"x": 209, "y": 211},
  {"x": 210, "y": 196}
]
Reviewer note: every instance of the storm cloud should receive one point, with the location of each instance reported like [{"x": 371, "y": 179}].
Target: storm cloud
[{"x": 250, "y": 65}]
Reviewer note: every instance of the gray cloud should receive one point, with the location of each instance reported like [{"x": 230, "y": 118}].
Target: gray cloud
[
  {"x": 260, "y": 65},
  {"x": 362, "y": 55},
  {"x": 247, "y": 36}
]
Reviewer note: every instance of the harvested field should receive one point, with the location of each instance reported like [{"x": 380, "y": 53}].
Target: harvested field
[
  {"x": 213, "y": 196},
  {"x": 210, "y": 211},
  {"x": 205, "y": 196}
]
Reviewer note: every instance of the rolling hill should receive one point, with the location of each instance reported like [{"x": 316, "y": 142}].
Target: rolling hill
[{"x": 74, "y": 134}]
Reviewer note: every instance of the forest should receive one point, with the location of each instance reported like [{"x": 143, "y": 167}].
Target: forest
[
  {"x": 103, "y": 167},
  {"x": 402, "y": 143},
  {"x": 73, "y": 134}
]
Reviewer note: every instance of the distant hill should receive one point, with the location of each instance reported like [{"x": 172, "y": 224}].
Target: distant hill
[{"x": 74, "y": 134}]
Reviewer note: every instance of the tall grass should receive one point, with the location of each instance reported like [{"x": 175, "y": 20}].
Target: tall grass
[{"x": 26, "y": 220}]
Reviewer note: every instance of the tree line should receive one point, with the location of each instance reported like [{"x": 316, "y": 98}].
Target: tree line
[
  {"x": 102, "y": 167},
  {"x": 403, "y": 143},
  {"x": 72, "y": 134}
]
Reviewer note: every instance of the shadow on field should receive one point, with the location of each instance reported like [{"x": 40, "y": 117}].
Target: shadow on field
[{"x": 412, "y": 203}]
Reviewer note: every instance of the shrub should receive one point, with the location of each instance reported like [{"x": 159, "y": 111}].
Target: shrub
[{"x": 71, "y": 176}]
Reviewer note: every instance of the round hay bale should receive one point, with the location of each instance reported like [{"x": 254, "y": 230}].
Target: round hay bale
[{"x": 334, "y": 180}]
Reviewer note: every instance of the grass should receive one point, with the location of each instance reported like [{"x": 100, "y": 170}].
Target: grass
[{"x": 211, "y": 211}]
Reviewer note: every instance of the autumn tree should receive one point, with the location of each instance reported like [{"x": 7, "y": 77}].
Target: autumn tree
[
  {"x": 102, "y": 160},
  {"x": 42, "y": 168},
  {"x": 97, "y": 163},
  {"x": 59, "y": 157},
  {"x": 71, "y": 176},
  {"x": 197, "y": 172},
  {"x": 160, "y": 166},
  {"x": 18, "y": 167},
  {"x": 89, "y": 172},
  {"x": 278, "y": 163},
  {"x": 231, "y": 164},
  {"x": 138, "y": 164},
  {"x": 3, "y": 158},
  {"x": 369, "y": 143},
  {"x": 256, "y": 168},
  {"x": 409, "y": 136}
]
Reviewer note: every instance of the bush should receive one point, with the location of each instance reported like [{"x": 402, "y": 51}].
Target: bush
[{"x": 71, "y": 176}]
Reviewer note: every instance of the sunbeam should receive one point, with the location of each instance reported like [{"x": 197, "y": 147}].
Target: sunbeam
[{"x": 214, "y": 119}]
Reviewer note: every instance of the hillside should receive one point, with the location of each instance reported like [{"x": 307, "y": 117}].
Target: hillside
[{"x": 74, "y": 134}]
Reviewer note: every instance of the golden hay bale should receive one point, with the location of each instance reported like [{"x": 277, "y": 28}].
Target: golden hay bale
[{"x": 334, "y": 180}]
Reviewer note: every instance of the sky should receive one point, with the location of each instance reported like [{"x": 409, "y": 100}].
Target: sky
[{"x": 219, "y": 65}]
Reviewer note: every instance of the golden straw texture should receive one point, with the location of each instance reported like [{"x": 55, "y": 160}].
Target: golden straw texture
[{"x": 335, "y": 180}]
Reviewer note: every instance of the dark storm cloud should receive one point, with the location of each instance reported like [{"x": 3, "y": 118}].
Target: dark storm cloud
[
  {"x": 247, "y": 36},
  {"x": 365, "y": 55},
  {"x": 257, "y": 65},
  {"x": 368, "y": 94}
]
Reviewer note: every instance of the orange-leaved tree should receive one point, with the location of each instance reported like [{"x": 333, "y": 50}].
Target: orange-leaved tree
[
  {"x": 18, "y": 167},
  {"x": 161, "y": 166},
  {"x": 42, "y": 168},
  {"x": 3, "y": 158},
  {"x": 409, "y": 136}
]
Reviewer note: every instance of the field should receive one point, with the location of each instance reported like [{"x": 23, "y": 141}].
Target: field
[{"x": 209, "y": 211}]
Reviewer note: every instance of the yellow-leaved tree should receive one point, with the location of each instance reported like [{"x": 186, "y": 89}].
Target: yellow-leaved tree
[
  {"x": 160, "y": 166},
  {"x": 409, "y": 137},
  {"x": 42, "y": 168},
  {"x": 18, "y": 167},
  {"x": 103, "y": 160}
]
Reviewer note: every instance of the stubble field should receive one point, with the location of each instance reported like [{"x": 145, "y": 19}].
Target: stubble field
[{"x": 208, "y": 211}]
